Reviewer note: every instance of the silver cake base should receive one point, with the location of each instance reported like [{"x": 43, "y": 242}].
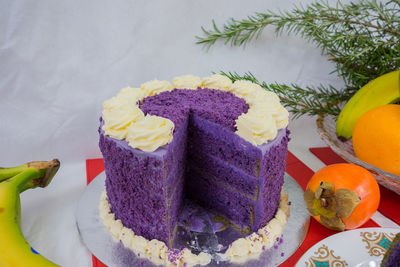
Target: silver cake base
[{"x": 98, "y": 240}]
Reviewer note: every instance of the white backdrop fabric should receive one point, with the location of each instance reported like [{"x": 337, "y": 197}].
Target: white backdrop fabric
[{"x": 59, "y": 60}]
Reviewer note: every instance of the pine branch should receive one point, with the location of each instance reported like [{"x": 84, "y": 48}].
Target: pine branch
[
  {"x": 300, "y": 101},
  {"x": 362, "y": 39}
]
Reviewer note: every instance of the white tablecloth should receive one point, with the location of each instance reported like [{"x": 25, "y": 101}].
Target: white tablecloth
[{"x": 59, "y": 60}]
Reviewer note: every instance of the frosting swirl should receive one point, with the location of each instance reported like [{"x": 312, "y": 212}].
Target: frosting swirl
[
  {"x": 216, "y": 81},
  {"x": 277, "y": 111},
  {"x": 256, "y": 127},
  {"x": 154, "y": 250},
  {"x": 239, "y": 251},
  {"x": 265, "y": 116},
  {"x": 150, "y": 133},
  {"x": 187, "y": 82},
  {"x": 117, "y": 119},
  {"x": 261, "y": 95},
  {"x": 243, "y": 88},
  {"x": 155, "y": 87},
  {"x": 132, "y": 95}
]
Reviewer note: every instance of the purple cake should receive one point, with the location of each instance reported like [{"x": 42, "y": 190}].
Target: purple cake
[
  {"x": 392, "y": 255},
  {"x": 206, "y": 162}
]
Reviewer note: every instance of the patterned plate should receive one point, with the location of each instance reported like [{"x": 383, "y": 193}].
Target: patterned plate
[{"x": 359, "y": 247}]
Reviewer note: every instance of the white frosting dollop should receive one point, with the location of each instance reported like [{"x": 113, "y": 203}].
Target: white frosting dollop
[
  {"x": 253, "y": 245},
  {"x": 150, "y": 133},
  {"x": 113, "y": 102},
  {"x": 256, "y": 127},
  {"x": 154, "y": 250},
  {"x": 243, "y": 88},
  {"x": 122, "y": 112},
  {"x": 273, "y": 107},
  {"x": 119, "y": 118},
  {"x": 155, "y": 87},
  {"x": 187, "y": 82},
  {"x": 216, "y": 81},
  {"x": 132, "y": 95},
  {"x": 260, "y": 95},
  {"x": 188, "y": 259}
]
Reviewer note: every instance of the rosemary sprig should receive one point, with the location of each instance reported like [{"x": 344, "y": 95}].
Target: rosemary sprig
[
  {"x": 362, "y": 39},
  {"x": 299, "y": 101}
]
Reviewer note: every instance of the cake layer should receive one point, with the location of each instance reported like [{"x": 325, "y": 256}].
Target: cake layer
[
  {"x": 222, "y": 143},
  {"x": 272, "y": 173},
  {"x": 145, "y": 190},
  {"x": 174, "y": 206},
  {"x": 213, "y": 196},
  {"x": 226, "y": 174}
]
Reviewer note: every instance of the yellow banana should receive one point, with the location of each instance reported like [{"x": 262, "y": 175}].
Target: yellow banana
[
  {"x": 14, "y": 250},
  {"x": 378, "y": 92}
]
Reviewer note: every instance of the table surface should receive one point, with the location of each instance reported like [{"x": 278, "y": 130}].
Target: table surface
[{"x": 61, "y": 59}]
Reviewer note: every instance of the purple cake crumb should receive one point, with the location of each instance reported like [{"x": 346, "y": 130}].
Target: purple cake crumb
[
  {"x": 206, "y": 162},
  {"x": 217, "y": 106},
  {"x": 282, "y": 254}
]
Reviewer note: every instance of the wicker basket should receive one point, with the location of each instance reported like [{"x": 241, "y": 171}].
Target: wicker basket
[{"x": 326, "y": 126}]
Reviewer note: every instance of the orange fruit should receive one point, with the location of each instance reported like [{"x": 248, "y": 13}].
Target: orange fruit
[
  {"x": 352, "y": 178},
  {"x": 376, "y": 138}
]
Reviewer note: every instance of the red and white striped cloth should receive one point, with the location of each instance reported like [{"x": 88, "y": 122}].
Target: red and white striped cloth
[{"x": 388, "y": 214}]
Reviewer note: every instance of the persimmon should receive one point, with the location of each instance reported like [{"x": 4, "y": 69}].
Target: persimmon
[{"x": 342, "y": 196}]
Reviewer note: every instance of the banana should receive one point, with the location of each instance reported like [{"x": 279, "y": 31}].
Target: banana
[
  {"x": 14, "y": 250},
  {"x": 378, "y": 92},
  {"x": 6, "y": 173}
]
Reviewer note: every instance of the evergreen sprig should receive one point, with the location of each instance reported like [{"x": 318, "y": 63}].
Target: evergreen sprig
[
  {"x": 362, "y": 39},
  {"x": 309, "y": 100}
]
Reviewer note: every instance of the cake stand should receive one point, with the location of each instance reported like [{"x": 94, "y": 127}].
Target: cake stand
[{"x": 100, "y": 243}]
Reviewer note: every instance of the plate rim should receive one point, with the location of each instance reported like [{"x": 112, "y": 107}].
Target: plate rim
[
  {"x": 78, "y": 214},
  {"x": 378, "y": 229}
]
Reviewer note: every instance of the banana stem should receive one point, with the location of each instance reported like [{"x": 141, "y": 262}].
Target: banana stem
[
  {"x": 21, "y": 179},
  {"x": 36, "y": 174},
  {"x": 6, "y": 173}
]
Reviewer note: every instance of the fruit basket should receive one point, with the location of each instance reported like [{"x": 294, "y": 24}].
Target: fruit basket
[{"x": 326, "y": 125}]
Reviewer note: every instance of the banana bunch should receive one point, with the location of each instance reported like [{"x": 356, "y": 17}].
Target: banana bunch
[
  {"x": 14, "y": 250},
  {"x": 378, "y": 92}
]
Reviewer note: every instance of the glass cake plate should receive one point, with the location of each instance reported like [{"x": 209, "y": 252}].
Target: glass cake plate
[{"x": 99, "y": 241}]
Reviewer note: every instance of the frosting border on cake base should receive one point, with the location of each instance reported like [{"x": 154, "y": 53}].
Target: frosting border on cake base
[{"x": 239, "y": 251}]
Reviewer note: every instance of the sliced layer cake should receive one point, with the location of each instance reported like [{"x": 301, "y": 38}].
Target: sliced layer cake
[{"x": 213, "y": 156}]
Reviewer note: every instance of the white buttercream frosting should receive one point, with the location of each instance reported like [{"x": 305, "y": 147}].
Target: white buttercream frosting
[
  {"x": 274, "y": 107},
  {"x": 118, "y": 118},
  {"x": 251, "y": 246},
  {"x": 239, "y": 251},
  {"x": 154, "y": 250},
  {"x": 124, "y": 120},
  {"x": 243, "y": 88},
  {"x": 216, "y": 81},
  {"x": 150, "y": 133},
  {"x": 155, "y": 87},
  {"x": 187, "y": 82},
  {"x": 132, "y": 95},
  {"x": 260, "y": 96},
  {"x": 256, "y": 127}
]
